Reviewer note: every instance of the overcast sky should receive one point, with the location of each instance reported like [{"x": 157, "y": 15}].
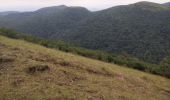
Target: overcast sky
[{"x": 29, "y": 5}]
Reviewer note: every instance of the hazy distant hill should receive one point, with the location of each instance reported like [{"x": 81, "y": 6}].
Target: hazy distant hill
[
  {"x": 167, "y": 4},
  {"x": 140, "y": 29},
  {"x": 7, "y": 13}
]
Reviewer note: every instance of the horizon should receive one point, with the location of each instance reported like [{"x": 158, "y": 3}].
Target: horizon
[{"x": 95, "y": 5}]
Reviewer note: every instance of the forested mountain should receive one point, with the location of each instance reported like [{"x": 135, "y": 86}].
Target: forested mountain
[
  {"x": 140, "y": 29},
  {"x": 46, "y": 21}
]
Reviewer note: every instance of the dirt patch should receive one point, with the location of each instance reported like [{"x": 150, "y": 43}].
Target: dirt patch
[
  {"x": 166, "y": 92},
  {"x": 120, "y": 76},
  {"x": 103, "y": 73},
  {"x": 37, "y": 68},
  {"x": 6, "y": 63},
  {"x": 17, "y": 82},
  {"x": 55, "y": 60},
  {"x": 64, "y": 63},
  {"x": 62, "y": 98},
  {"x": 2, "y": 45},
  {"x": 49, "y": 59},
  {"x": 73, "y": 77},
  {"x": 69, "y": 78},
  {"x": 123, "y": 98},
  {"x": 6, "y": 59},
  {"x": 95, "y": 97}
]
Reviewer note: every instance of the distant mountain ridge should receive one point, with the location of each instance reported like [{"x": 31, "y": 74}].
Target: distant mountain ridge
[
  {"x": 49, "y": 18},
  {"x": 140, "y": 29},
  {"x": 8, "y": 12},
  {"x": 51, "y": 9},
  {"x": 167, "y": 4}
]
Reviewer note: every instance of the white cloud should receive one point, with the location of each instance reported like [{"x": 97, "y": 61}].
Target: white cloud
[{"x": 23, "y": 5}]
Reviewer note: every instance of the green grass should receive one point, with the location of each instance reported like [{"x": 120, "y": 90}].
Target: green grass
[{"x": 70, "y": 76}]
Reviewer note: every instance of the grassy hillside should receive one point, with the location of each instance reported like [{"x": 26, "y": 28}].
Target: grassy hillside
[{"x": 33, "y": 72}]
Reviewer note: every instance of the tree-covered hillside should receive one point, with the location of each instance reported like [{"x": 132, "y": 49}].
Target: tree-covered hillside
[
  {"x": 140, "y": 29},
  {"x": 46, "y": 21}
]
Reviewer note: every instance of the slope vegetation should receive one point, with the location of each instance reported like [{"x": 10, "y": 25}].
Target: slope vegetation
[
  {"x": 33, "y": 72},
  {"x": 124, "y": 59}
]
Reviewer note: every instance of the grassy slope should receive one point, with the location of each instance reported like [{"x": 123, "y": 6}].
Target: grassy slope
[{"x": 71, "y": 76}]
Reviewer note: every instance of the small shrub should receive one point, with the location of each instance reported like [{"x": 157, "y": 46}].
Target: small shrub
[
  {"x": 136, "y": 65},
  {"x": 110, "y": 59}
]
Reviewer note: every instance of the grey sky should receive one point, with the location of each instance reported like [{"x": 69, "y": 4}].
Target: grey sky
[{"x": 29, "y": 5}]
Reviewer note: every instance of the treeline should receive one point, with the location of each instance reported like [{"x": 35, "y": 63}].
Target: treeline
[{"x": 121, "y": 59}]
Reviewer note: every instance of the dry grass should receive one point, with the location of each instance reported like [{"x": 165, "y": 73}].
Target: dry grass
[{"x": 32, "y": 72}]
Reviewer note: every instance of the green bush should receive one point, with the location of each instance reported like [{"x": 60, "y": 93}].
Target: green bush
[{"x": 137, "y": 65}]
